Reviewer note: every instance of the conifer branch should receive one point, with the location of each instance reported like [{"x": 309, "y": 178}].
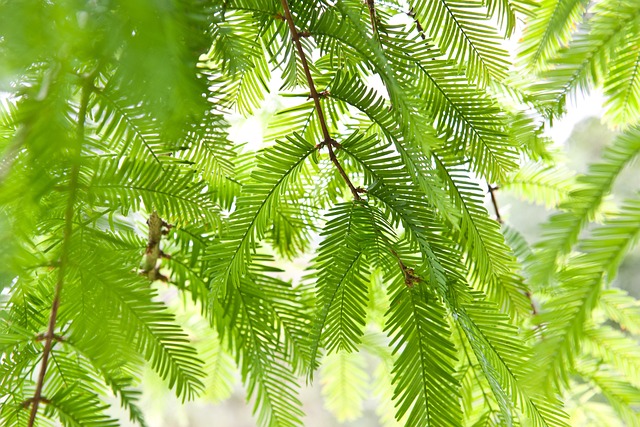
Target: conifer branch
[
  {"x": 471, "y": 366},
  {"x": 50, "y": 336},
  {"x": 329, "y": 142},
  {"x": 11, "y": 152}
]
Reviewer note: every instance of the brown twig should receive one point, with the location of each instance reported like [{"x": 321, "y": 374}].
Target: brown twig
[
  {"x": 42, "y": 337},
  {"x": 49, "y": 337},
  {"x": 328, "y": 141},
  {"x": 494, "y": 202},
  {"x": 412, "y": 15},
  {"x": 157, "y": 228},
  {"x": 372, "y": 15},
  {"x": 410, "y": 276},
  {"x": 29, "y": 401},
  {"x": 534, "y": 310}
]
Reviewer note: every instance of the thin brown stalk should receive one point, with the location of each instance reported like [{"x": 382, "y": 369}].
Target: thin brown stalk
[
  {"x": 42, "y": 337},
  {"x": 494, "y": 202},
  {"x": 372, "y": 15},
  {"x": 412, "y": 15},
  {"x": 50, "y": 336},
  {"x": 534, "y": 310},
  {"x": 410, "y": 276},
  {"x": 329, "y": 142}
]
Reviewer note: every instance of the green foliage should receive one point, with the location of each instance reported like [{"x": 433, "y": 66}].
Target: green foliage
[
  {"x": 579, "y": 46},
  {"x": 393, "y": 119}
]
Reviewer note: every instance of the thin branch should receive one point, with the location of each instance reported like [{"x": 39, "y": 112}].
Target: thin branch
[
  {"x": 410, "y": 276},
  {"x": 412, "y": 15},
  {"x": 534, "y": 310},
  {"x": 329, "y": 142},
  {"x": 372, "y": 16},
  {"x": 49, "y": 337},
  {"x": 29, "y": 401},
  {"x": 57, "y": 338},
  {"x": 494, "y": 201},
  {"x": 157, "y": 228}
]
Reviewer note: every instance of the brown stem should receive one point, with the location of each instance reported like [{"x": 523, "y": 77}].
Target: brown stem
[
  {"x": 397, "y": 257},
  {"x": 29, "y": 401},
  {"x": 534, "y": 310},
  {"x": 494, "y": 201},
  {"x": 49, "y": 337},
  {"x": 42, "y": 337},
  {"x": 328, "y": 141},
  {"x": 372, "y": 16},
  {"x": 410, "y": 277},
  {"x": 412, "y": 15}
]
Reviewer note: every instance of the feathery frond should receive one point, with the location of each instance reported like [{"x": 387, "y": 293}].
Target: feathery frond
[
  {"x": 425, "y": 389},
  {"x": 561, "y": 233}
]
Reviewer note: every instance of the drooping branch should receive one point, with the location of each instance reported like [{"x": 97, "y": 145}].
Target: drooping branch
[
  {"x": 50, "y": 336},
  {"x": 329, "y": 142},
  {"x": 410, "y": 276}
]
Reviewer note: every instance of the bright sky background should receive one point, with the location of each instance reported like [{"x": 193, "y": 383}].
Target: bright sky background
[{"x": 585, "y": 106}]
